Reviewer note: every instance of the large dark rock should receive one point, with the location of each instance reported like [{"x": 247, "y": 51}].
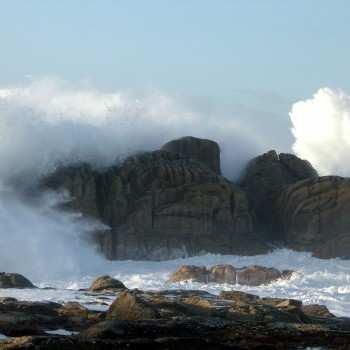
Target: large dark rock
[
  {"x": 32, "y": 318},
  {"x": 14, "y": 280},
  {"x": 314, "y": 216},
  {"x": 206, "y": 151},
  {"x": 263, "y": 180},
  {"x": 162, "y": 205}
]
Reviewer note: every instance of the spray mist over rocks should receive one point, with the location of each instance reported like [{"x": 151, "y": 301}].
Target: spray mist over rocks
[
  {"x": 40, "y": 241},
  {"x": 49, "y": 121},
  {"x": 321, "y": 127}
]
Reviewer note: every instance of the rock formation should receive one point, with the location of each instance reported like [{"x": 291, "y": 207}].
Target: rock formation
[
  {"x": 206, "y": 151},
  {"x": 314, "y": 216},
  {"x": 173, "y": 203},
  {"x": 174, "y": 319},
  {"x": 163, "y": 205},
  {"x": 250, "y": 275},
  {"x": 263, "y": 180},
  {"x": 106, "y": 283},
  {"x": 14, "y": 280}
]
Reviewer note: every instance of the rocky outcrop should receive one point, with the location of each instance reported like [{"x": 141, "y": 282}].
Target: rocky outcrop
[
  {"x": 14, "y": 280},
  {"x": 106, "y": 283},
  {"x": 314, "y": 216},
  {"x": 314, "y": 310},
  {"x": 206, "y": 151},
  {"x": 265, "y": 177},
  {"x": 174, "y": 203},
  {"x": 250, "y": 275},
  {"x": 173, "y": 319},
  {"x": 162, "y": 205},
  {"x": 19, "y": 318}
]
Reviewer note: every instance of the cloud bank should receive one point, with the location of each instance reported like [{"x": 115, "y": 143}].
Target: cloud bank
[{"x": 321, "y": 127}]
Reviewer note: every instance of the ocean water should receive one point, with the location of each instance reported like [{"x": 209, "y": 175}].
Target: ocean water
[{"x": 325, "y": 282}]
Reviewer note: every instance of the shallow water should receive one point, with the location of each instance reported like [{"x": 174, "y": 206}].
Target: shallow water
[{"x": 325, "y": 282}]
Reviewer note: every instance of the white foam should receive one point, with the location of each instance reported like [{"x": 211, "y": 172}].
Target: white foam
[
  {"x": 318, "y": 281},
  {"x": 61, "y": 332},
  {"x": 3, "y": 337}
]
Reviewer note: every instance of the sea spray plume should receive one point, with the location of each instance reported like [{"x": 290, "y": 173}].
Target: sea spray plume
[
  {"x": 41, "y": 242},
  {"x": 49, "y": 121},
  {"x": 321, "y": 127}
]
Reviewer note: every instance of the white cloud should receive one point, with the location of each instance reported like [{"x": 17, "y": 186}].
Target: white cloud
[{"x": 321, "y": 127}]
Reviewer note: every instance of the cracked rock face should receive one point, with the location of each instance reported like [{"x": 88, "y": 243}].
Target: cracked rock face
[
  {"x": 162, "y": 205},
  {"x": 263, "y": 180},
  {"x": 206, "y": 151},
  {"x": 314, "y": 216}
]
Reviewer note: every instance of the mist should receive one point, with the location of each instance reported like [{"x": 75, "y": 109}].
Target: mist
[
  {"x": 49, "y": 122},
  {"x": 42, "y": 242}
]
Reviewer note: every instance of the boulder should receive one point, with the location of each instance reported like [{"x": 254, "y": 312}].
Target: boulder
[
  {"x": 139, "y": 305},
  {"x": 257, "y": 275},
  {"x": 74, "y": 309},
  {"x": 106, "y": 283},
  {"x": 162, "y": 205},
  {"x": 131, "y": 306},
  {"x": 190, "y": 272},
  {"x": 253, "y": 275},
  {"x": 263, "y": 180},
  {"x": 14, "y": 280},
  {"x": 315, "y": 310},
  {"x": 314, "y": 216},
  {"x": 206, "y": 151},
  {"x": 222, "y": 274}
]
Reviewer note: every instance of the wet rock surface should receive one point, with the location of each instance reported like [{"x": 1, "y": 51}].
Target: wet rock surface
[
  {"x": 314, "y": 216},
  {"x": 253, "y": 275},
  {"x": 206, "y": 151},
  {"x": 173, "y": 319},
  {"x": 106, "y": 283},
  {"x": 162, "y": 205},
  {"x": 263, "y": 180},
  {"x": 14, "y": 280},
  {"x": 173, "y": 203}
]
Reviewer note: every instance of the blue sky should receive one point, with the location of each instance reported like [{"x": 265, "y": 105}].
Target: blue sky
[{"x": 264, "y": 54}]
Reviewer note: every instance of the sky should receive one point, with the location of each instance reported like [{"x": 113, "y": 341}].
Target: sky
[{"x": 249, "y": 60}]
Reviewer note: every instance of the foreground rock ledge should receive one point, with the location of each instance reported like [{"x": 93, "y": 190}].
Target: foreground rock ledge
[
  {"x": 252, "y": 275},
  {"x": 172, "y": 320}
]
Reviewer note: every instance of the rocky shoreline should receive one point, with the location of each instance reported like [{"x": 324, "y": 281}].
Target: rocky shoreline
[
  {"x": 174, "y": 202},
  {"x": 168, "y": 319}
]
